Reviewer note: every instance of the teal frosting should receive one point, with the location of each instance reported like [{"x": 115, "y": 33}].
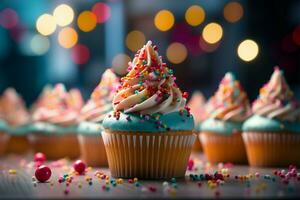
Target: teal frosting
[
  {"x": 175, "y": 121},
  {"x": 19, "y": 130},
  {"x": 262, "y": 124},
  {"x": 219, "y": 126},
  {"x": 47, "y": 128},
  {"x": 89, "y": 128},
  {"x": 3, "y": 125}
]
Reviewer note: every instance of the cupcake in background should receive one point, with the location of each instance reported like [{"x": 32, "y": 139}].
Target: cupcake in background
[
  {"x": 221, "y": 132},
  {"x": 91, "y": 117},
  {"x": 55, "y": 123},
  {"x": 4, "y": 137},
  {"x": 41, "y": 98},
  {"x": 17, "y": 121},
  {"x": 272, "y": 134},
  {"x": 197, "y": 109},
  {"x": 149, "y": 134}
]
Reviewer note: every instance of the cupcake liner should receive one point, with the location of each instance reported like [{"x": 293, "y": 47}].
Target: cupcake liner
[
  {"x": 3, "y": 142},
  {"x": 197, "y": 147},
  {"x": 56, "y": 146},
  {"x": 18, "y": 144},
  {"x": 223, "y": 148},
  {"x": 148, "y": 155},
  {"x": 92, "y": 150},
  {"x": 272, "y": 149}
]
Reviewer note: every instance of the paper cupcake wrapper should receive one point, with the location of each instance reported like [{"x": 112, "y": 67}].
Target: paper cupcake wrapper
[
  {"x": 271, "y": 149},
  {"x": 3, "y": 142},
  {"x": 56, "y": 146},
  {"x": 92, "y": 150},
  {"x": 223, "y": 148},
  {"x": 18, "y": 144},
  {"x": 148, "y": 156},
  {"x": 197, "y": 147}
]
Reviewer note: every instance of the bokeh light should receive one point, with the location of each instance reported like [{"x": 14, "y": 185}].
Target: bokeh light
[
  {"x": 120, "y": 63},
  {"x": 247, "y": 50},
  {"x": 164, "y": 20},
  {"x": 8, "y": 18},
  {"x": 176, "y": 53},
  {"x": 233, "y": 12},
  {"x": 63, "y": 15},
  {"x": 135, "y": 40},
  {"x": 46, "y": 24},
  {"x": 67, "y": 37},
  {"x": 87, "y": 21},
  {"x": 39, "y": 44},
  {"x": 80, "y": 54},
  {"x": 102, "y": 12},
  {"x": 296, "y": 35},
  {"x": 194, "y": 15},
  {"x": 212, "y": 33},
  {"x": 206, "y": 47}
]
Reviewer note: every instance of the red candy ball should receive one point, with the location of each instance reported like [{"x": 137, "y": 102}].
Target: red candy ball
[
  {"x": 43, "y": 173},
  {"x": 39, "y": 157},
  {"x": 79, "y": 166}
]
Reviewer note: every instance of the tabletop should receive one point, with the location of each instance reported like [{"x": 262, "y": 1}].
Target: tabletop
[{"x": 17, "y": 181}]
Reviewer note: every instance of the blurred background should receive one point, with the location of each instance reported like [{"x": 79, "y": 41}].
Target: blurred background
[{"x": 74, "y": 41}]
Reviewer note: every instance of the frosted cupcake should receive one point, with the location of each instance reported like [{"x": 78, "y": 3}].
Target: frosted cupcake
[
  {"x": 42, "y": 98},
  {"x": 221, "y": 132},
  {"x": 56, "y": 120},
  {"x": 17, "y": 121},
  {"x": 91, "y": 117},
  {"x": 272, "y": 134},
  {"x": 149, "y": 133},
  {"x": 197, "y": 109}
]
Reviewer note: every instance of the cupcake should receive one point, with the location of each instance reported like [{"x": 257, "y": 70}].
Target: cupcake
[
  {"x": 221, "y": 132},
  {"x": 91, "y": 117},
  {"x": 4, "y": 137},
  {"x": 149, "y": 133},
  {"x": 197, "y": 109},
  {"x": 17, "y": 121},
  {"x": 55, "y": 123},
  {"x": 272, "y": 134}
]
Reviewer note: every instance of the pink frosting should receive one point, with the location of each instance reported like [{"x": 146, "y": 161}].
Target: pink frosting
[{"x": 197, "y": 107}]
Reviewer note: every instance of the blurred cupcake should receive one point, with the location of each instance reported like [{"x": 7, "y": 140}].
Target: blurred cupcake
[
  {"x": 55, "y": 123},
  {"x": 221, "y": 131},
  {"x": 4, "y": 137},
  {"x": 17, "y": 121},
  {"x": 91, "y": 117},
  {"x": 41, "y": 99},
  {"x": 197, "y": 109},
  {"x": 272, "y": 134},
  {"x": 149, "y": 133}
]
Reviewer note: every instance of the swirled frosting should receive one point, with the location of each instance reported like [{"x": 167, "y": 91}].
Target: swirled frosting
[
  {"x": 100, "y": 102},
  {"x": 59, "y": 107},
  {"x": 41, "y": 98},
  {"x": 276, "y": 100},
  {"x": 149, "y": 87},
  {"x": 13, "y": 108},
  {"x": 230, "y": 102},
  {"x": 197, "y": 107}
]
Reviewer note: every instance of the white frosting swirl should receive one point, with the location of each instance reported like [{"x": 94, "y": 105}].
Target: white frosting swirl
[{"x": 149, "y": 86}]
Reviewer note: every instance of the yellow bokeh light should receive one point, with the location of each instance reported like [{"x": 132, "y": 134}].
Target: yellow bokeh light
[
  {"x": 176, "y": 53},
  {"x": 164, "y": 20},
  {"x": 233, "y": 12},
  {"x": 87, "y": 21},
  {"x": 120, "y": 63},
  {"x": 135, "y": 40},
  {"x": 63, "y": 15},
  {"x": 248, "y": 50},
  {"x": 46, "y": 24},
  {"x": 212, "y": 33},
  {"x": 67, "y": 37},
  {"x": 194, "y": 15}
]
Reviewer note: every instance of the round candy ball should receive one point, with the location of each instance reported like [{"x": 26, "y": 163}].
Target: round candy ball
[
  {"x": 43, "y": 173},
  {"x": 39, "y": 157},
  {"x": 79, "y": 166}
]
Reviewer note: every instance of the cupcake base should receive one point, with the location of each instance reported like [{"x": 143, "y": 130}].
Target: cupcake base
[
  {"x": 223, "y": 148},
  {"x": 56, "y": 146},
  {"x": 160, "y": 155},
  {"x": 272, "y": 149},
  {"x": 197, "y": 147},
  {"x": 92, "y": 150},
  {"x": 18, "y": 144},
  {"x": 3, "y": 142}
]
